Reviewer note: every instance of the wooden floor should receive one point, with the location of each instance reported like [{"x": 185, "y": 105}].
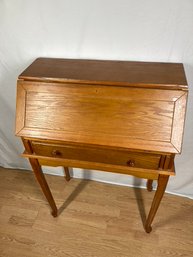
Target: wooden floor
[{"x": 96, "y": 220}]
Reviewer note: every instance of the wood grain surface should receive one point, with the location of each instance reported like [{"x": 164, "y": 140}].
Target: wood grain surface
[
  {"x": 128, "y": 73},
  {"x": 109, "y": 116},
  {"x": 98, "y": 220},
  {"x": 91, "y": 154},
  {"x": 134, "y": 110}
]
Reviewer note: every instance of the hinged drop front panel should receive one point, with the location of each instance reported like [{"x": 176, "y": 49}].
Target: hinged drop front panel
[{"x": 121, "y": 117}]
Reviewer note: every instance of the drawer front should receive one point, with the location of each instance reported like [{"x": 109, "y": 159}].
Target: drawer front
[{"x": 90, "y": 154}]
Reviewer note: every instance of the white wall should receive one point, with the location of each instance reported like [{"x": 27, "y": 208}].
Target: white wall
[{"x": 150, "y": 30}]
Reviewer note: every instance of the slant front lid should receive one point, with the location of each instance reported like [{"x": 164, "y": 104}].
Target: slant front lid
[
  {"x": 124, "y": 73},
  {"x": 119, "y": 117}
]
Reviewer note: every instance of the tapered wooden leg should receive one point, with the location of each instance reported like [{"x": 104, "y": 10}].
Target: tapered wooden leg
[
  {"x": 162, "y": 183},
  {"x": 42, "y": 181},
  {"x": 67, "y": 173},
  {"x": 149, "y": 185}
]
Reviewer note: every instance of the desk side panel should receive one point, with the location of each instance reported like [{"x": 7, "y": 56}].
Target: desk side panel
[{"x": 20, "y": 108}]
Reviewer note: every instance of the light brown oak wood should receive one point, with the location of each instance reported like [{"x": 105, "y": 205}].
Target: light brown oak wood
[
  {"x": 105, "y": 224},
  {"x": 141, "y": 160},
  {"x": 162, "y": 183},
  {"x": 124, "y": 73},
  {"x": 117, "y": 116},
  {"x": 97, "y": 110},
  {"x": 67, "y": 173}
]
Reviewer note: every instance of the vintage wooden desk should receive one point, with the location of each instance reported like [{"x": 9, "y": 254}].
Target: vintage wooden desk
[{"x": 117, "y": 116}]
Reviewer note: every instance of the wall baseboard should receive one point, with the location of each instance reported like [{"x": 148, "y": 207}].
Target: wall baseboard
[{"x": 106, "y": 177}]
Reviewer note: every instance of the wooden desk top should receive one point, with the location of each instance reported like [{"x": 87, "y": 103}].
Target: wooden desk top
[
  {"x": 128, "y": 105},
  {"x": 124, "y": 73}
]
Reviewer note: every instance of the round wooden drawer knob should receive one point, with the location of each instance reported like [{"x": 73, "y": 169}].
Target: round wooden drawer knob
[
  {"x": 131, "y": 163},
  {"x": 56, "y": 153}
]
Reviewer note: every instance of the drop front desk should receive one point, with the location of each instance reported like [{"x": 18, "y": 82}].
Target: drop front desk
[{"x": 117, "y": 116}]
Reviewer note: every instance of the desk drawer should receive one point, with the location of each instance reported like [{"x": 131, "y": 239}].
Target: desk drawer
[{"x": 90, "y": 154}]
